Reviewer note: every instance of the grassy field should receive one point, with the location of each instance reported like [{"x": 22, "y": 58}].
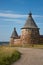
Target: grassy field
[
  {"x": 29, "y": 45},
  {"x": 8, "y": 55},
  {"x": 38, "y": 46},
  {"x": 33, "y": 46}
]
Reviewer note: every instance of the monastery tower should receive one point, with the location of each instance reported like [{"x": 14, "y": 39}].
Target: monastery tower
[{"x": 30, "y": 31}]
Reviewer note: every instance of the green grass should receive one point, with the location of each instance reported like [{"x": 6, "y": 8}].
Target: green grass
[
  {"x": 28, "y": 45},
  {"x": 33, "y": 46},
  {"x": 8, "y": 55},
  {"x": 38, "y": 46}
]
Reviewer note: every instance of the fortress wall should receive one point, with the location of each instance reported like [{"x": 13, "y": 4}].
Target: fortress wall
[
  {"x": 11, "y": 41},
  {"x": 17, "y": 41},
  {"x": 27, "y": 39},
  {"x": 41, "y": 39}
]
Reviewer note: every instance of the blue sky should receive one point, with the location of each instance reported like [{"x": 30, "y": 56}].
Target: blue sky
[{"x": 13, "y": 13}]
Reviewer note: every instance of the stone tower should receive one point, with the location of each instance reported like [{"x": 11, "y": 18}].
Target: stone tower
[
  {"x": 13, "y": 36},
  {"x": 30, "y": 32}
]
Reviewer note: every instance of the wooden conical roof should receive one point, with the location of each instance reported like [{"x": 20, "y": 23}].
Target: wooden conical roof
[
  {"x": 30, "y": 23},
  {"x": 14, "y": 34}
]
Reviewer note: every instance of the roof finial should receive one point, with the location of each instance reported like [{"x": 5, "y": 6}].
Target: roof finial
[
  {"x": 30, "y": 13},
  {"x": 14, "y": 28}
]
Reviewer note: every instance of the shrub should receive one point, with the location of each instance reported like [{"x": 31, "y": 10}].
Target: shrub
[{"x": 8, "y": 59}]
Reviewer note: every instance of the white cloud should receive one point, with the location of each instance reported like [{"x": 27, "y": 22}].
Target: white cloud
[
  {"x": 10, "y": 15},
  {"x": 11, "y": 20}
]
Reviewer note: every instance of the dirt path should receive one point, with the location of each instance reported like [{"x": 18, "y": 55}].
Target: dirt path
[{"x": 30, "y": 56}]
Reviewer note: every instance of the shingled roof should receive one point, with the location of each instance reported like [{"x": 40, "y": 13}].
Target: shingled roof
[
  {"x": 14, "y": 34},
  {"x": 30, "y": 22}
]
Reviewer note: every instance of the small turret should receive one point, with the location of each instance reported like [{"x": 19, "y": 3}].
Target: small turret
[{"x": 14, "y": 34}]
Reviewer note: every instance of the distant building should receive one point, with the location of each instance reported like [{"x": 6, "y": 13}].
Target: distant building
[{"x": 29, "y": 35}]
